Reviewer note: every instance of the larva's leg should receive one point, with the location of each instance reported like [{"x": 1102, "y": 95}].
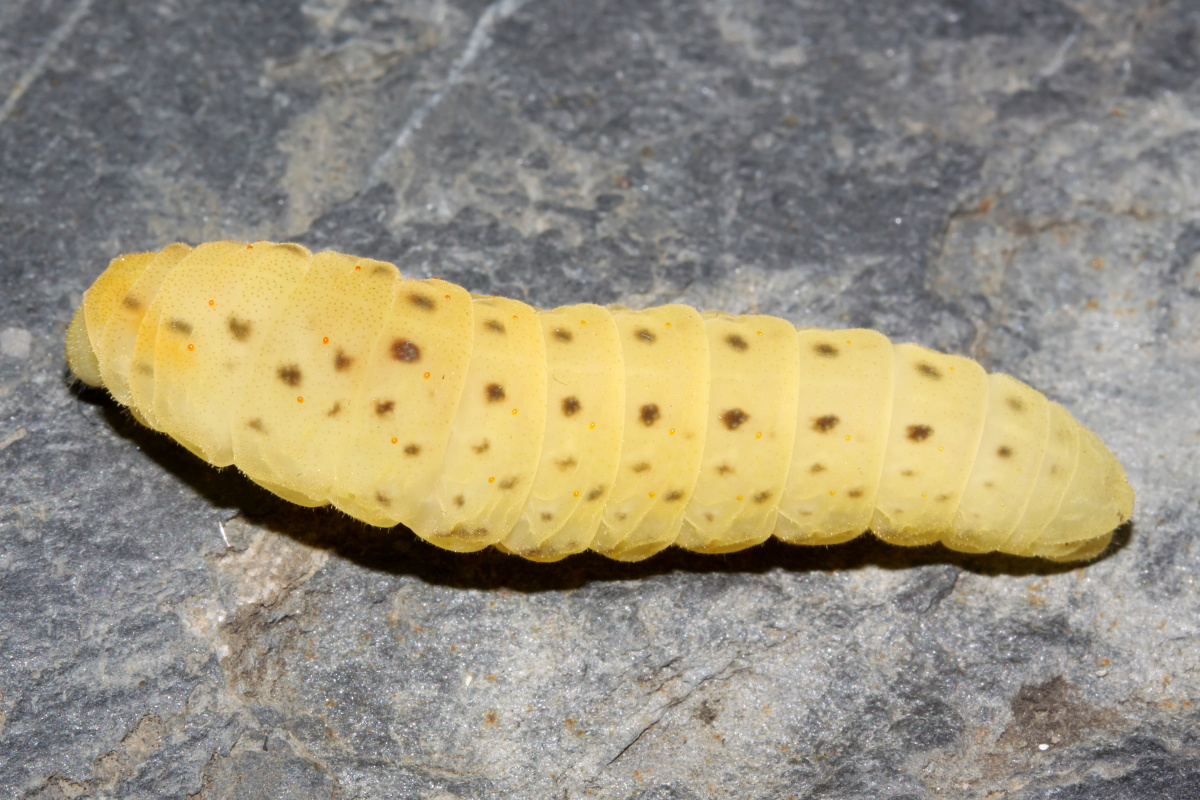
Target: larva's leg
[
  {"x": 751, "y": 432},
  {"x": 582, "y": 445},
  {"x": 119, "y": 337},
  {"x": 1006, "y": 467},
  {"x": 938, "y": 413},
  {"x": 1054, "y": 476},
  {"x": 842, "y": 421},
  {"x": 665, "y": 352},
  {"x": 418, "y": 362},
  {"x": 496, "y": 441}
]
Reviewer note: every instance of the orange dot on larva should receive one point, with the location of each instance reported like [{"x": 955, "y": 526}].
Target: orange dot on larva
[
  {"x": 832, "y": 493},
  {"x": 760, "y": 333},
  {"x": 491, "y": 480},
  {"x": 940, "y": 449},
  {"x": 652, "y": 495},
  {"x": 394, "y": 440},
  {"x": 299, "y": 399},
  {"x": 514, "y": 316},
  {"x": 739, "y": 498},
  {"x": 592, "y": 425},
  {"x": 758, "y": 435},
  {"x": 212, "y": 302},
  {"x": 514, "y": 412},
  {"x": 447, "y": 297},
  {"x": 249, "y": 247},
  {"x": 358, "y": 266},
  {"x": 583, "y": 322},
  {"x": 672, "y": 431},
  {"x": 426, "y": 376},
  {"x": 576, "y": 494},
  {"x": 191, "y": 347},
  {"x": 668, "y": 324},
  {"x": 324, "y": 340},
  {"x": 847, "y": 438},
  {"x": 924, "y": 495}
]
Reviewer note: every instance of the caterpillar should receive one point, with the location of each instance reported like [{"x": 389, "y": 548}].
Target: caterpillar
[{"x": 480, "y": 421}]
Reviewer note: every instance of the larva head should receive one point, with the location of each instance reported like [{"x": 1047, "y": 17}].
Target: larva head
[
  {"x": 110, "y": 293},
  {"x": 80, "y": 356}
]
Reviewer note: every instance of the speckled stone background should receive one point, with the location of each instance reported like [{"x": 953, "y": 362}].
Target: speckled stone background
[{"x": 1015, "y": 180}]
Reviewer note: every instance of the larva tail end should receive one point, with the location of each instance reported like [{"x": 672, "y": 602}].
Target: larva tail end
[{"x": 80, "y": 356}]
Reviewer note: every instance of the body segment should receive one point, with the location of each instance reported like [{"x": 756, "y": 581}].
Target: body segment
[{"x": 480, "y": 421}]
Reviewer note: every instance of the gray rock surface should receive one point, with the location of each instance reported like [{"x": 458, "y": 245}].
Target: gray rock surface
[{"x": 1015, "y": 180}]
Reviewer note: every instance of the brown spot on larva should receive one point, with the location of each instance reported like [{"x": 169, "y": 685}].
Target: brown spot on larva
[
  {"x": 337, "y": 408},
  {"x": 256, "y": 424},
  {"x": 725, "y": 469},
  {"x": 563, "y": 335},
  {"x": 495, "y": 392},
  {"x": 143, "y": 368},
  {"x": 412, "y": 449},
  {"x": 565, "y": 464},
  {"x": 342, "y": 362},
  {"x": 645, "y": 336},
  {"x": 482, "y": 447},
  {"x": 672, "y": 496},
  {"x": 570, "y": 405},
  {"x": 649, "y": 414},
  {"x": 733, "y": 418},
  {"x": 640, "y": 467},
  {"x": 596, "y": 494},
  {"x": 463, "y": 532},
  {"x": 1015, "y": 403},
  {"x": 943, "y": 498},
  {"x": 736, "y": 342},
  {"x": 856, "y": 493},
  {"x": 989, "y": 484},
  {"x": 240, "y": 328},
  {"x": 290, "y": 374},
  {"x": 384, "y": 407},
  {"x": 908, "y": 473},
  {"x": 181, "y": 325},
  {"x": 406, "y": 351},
  {"x": 131, "y": 302},
  {"x": 459, "y": 500},
  {"x": 825, "y": 350},
  {"x": 825, "y": 424},
  {"x": 708, "y": 515},
  {"x": 380, "y": 269},
  {"x": 1005, "y": 452},
  {"x": 547, "y": 516},
  {"x": 919, "y": 433},
  {"x": 929, "y": 370},
  {"x": 494, "y": 325},
  {"x": 1054, "y": 469},
  {"x": 508, "y": 483},
  {"x": 383, "y": 499},
  {"x": 815, "y": 468},
  {"x": 621, "y": 515},
  {"x": 422, "y": 301},
  {"x": 762, "y": 497}
]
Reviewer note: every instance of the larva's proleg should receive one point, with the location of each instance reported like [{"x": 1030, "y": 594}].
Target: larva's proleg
[{"x": 480, "y": 421}]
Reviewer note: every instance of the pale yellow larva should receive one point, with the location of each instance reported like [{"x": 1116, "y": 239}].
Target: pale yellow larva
[{"x": 480, "y": 421}]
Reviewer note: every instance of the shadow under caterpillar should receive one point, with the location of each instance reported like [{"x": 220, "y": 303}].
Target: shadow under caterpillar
[{"x": 478, "y": 420}]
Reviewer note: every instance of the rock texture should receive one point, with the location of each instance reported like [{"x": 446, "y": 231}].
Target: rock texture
[{"x": 1009, "y": 179}]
